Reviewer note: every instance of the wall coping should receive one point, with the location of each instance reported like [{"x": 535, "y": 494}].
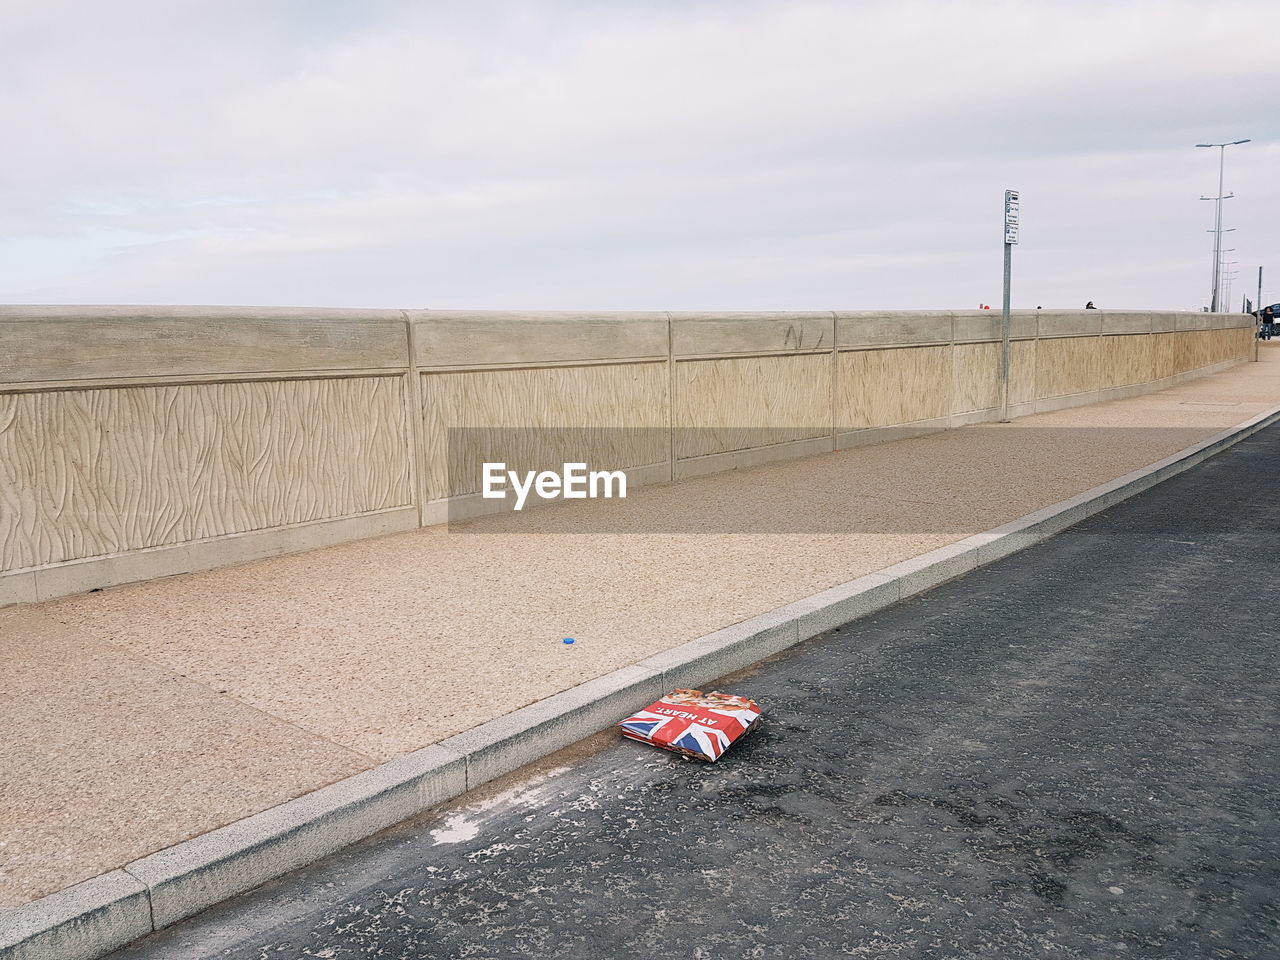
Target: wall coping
[{"x": 48, "y": 345}]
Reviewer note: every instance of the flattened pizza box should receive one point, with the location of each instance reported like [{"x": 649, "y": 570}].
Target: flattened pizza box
[{"x": 693, "y": 723}]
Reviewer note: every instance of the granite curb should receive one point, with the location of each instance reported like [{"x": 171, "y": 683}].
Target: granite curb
[{"x": 99, "y": 915}]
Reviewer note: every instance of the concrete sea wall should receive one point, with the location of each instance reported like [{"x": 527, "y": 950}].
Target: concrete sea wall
[{"x": 137, "y": 442}]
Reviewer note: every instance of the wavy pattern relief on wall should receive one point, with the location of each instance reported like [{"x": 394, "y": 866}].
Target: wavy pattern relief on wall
[
  {"x": 612, "y": 416},
  {"x": 19, "y": 427},
  {"x": 743, "y": 402},
  {"x": 1126, "y": 359},
  {"x": 975, "y": 376},
  {"x": 879, "y": 388},
  {"x": 1068, "y": 365},
  {"x": 111, "y": 470}
]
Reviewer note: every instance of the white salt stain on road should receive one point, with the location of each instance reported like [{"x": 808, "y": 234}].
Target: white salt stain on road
[
  {"x": 457, "y": 829},
  {"x": 466, "y": 823},
  {"x": 537, "y": 792},
  {"x": 495, "y": 849}
]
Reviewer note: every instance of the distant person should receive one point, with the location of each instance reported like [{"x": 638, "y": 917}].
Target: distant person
[
  {"x": 1090, "y": 306},
  {"x": 1268, "y": 322}
]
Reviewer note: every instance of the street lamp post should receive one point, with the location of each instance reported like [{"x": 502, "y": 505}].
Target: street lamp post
[
  {"x": 1227, "y": 276},
  {"x": 1217, "y": 220},
  {"x": 1217, "y": 245}
]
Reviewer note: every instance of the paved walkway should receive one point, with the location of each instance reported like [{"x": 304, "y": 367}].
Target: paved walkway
[
  {"x": 1072, "y": 753},
  {"x": 141, "y": 716}
]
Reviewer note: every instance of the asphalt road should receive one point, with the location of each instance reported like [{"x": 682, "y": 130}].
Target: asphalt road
[{"x": 1074, "y": 752}]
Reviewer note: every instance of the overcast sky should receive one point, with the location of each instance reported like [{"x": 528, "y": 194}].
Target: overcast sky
[{"x": 640, "y": 154}]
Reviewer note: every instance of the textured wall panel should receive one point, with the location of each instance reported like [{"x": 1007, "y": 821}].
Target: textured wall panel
[
  {"x": 1165, "y": 353},
  {"x": 1205, "y": 351},
  {"x": 879, "y": 388},
  {"x": 1194, "y": 349},
  {"x": 19, "y": 480},
  {"x": 1221, "y": 346},
  {"x": 1126, "y": 359},
  {"x": 618, "y": 415},
  {"x": 1233, "y": 343},
  {"x": 136, "y": 467},
  {"x": 1022, "y": 371},
  {"x": 975, "y": 376},
  {"x": 1184, "y": 349},
  {"x": 1068, "y": 365},
  {"x": 736, "y": 404},
  {"x": 1242, "y": 342}
]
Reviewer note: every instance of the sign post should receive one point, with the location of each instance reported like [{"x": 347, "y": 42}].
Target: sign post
[
  {"x": 1257, "y": 305},
  {"x": 1011, "y": 209}
]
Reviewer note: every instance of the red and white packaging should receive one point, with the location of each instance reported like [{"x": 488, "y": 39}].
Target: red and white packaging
[{"x": 696, "y": 724}]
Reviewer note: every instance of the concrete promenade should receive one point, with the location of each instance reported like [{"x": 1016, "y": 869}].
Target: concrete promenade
[{"x": 144, "y": 715}]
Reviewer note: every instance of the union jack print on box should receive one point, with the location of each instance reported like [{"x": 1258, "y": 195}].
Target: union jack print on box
[{"x": 697, "y": 724}]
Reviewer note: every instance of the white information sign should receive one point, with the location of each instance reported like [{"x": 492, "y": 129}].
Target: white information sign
[{"x": 1011, "y": 216}]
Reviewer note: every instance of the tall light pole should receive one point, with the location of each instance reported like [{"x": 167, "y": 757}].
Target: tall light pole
[
  {"x": 1227, "y": 276},
  {"x": 1217, "y": 245},
  {"x": 1217, "y": 220}
]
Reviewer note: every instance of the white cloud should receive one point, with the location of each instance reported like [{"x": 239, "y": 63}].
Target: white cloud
[{"x": 628, "y": 155}]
